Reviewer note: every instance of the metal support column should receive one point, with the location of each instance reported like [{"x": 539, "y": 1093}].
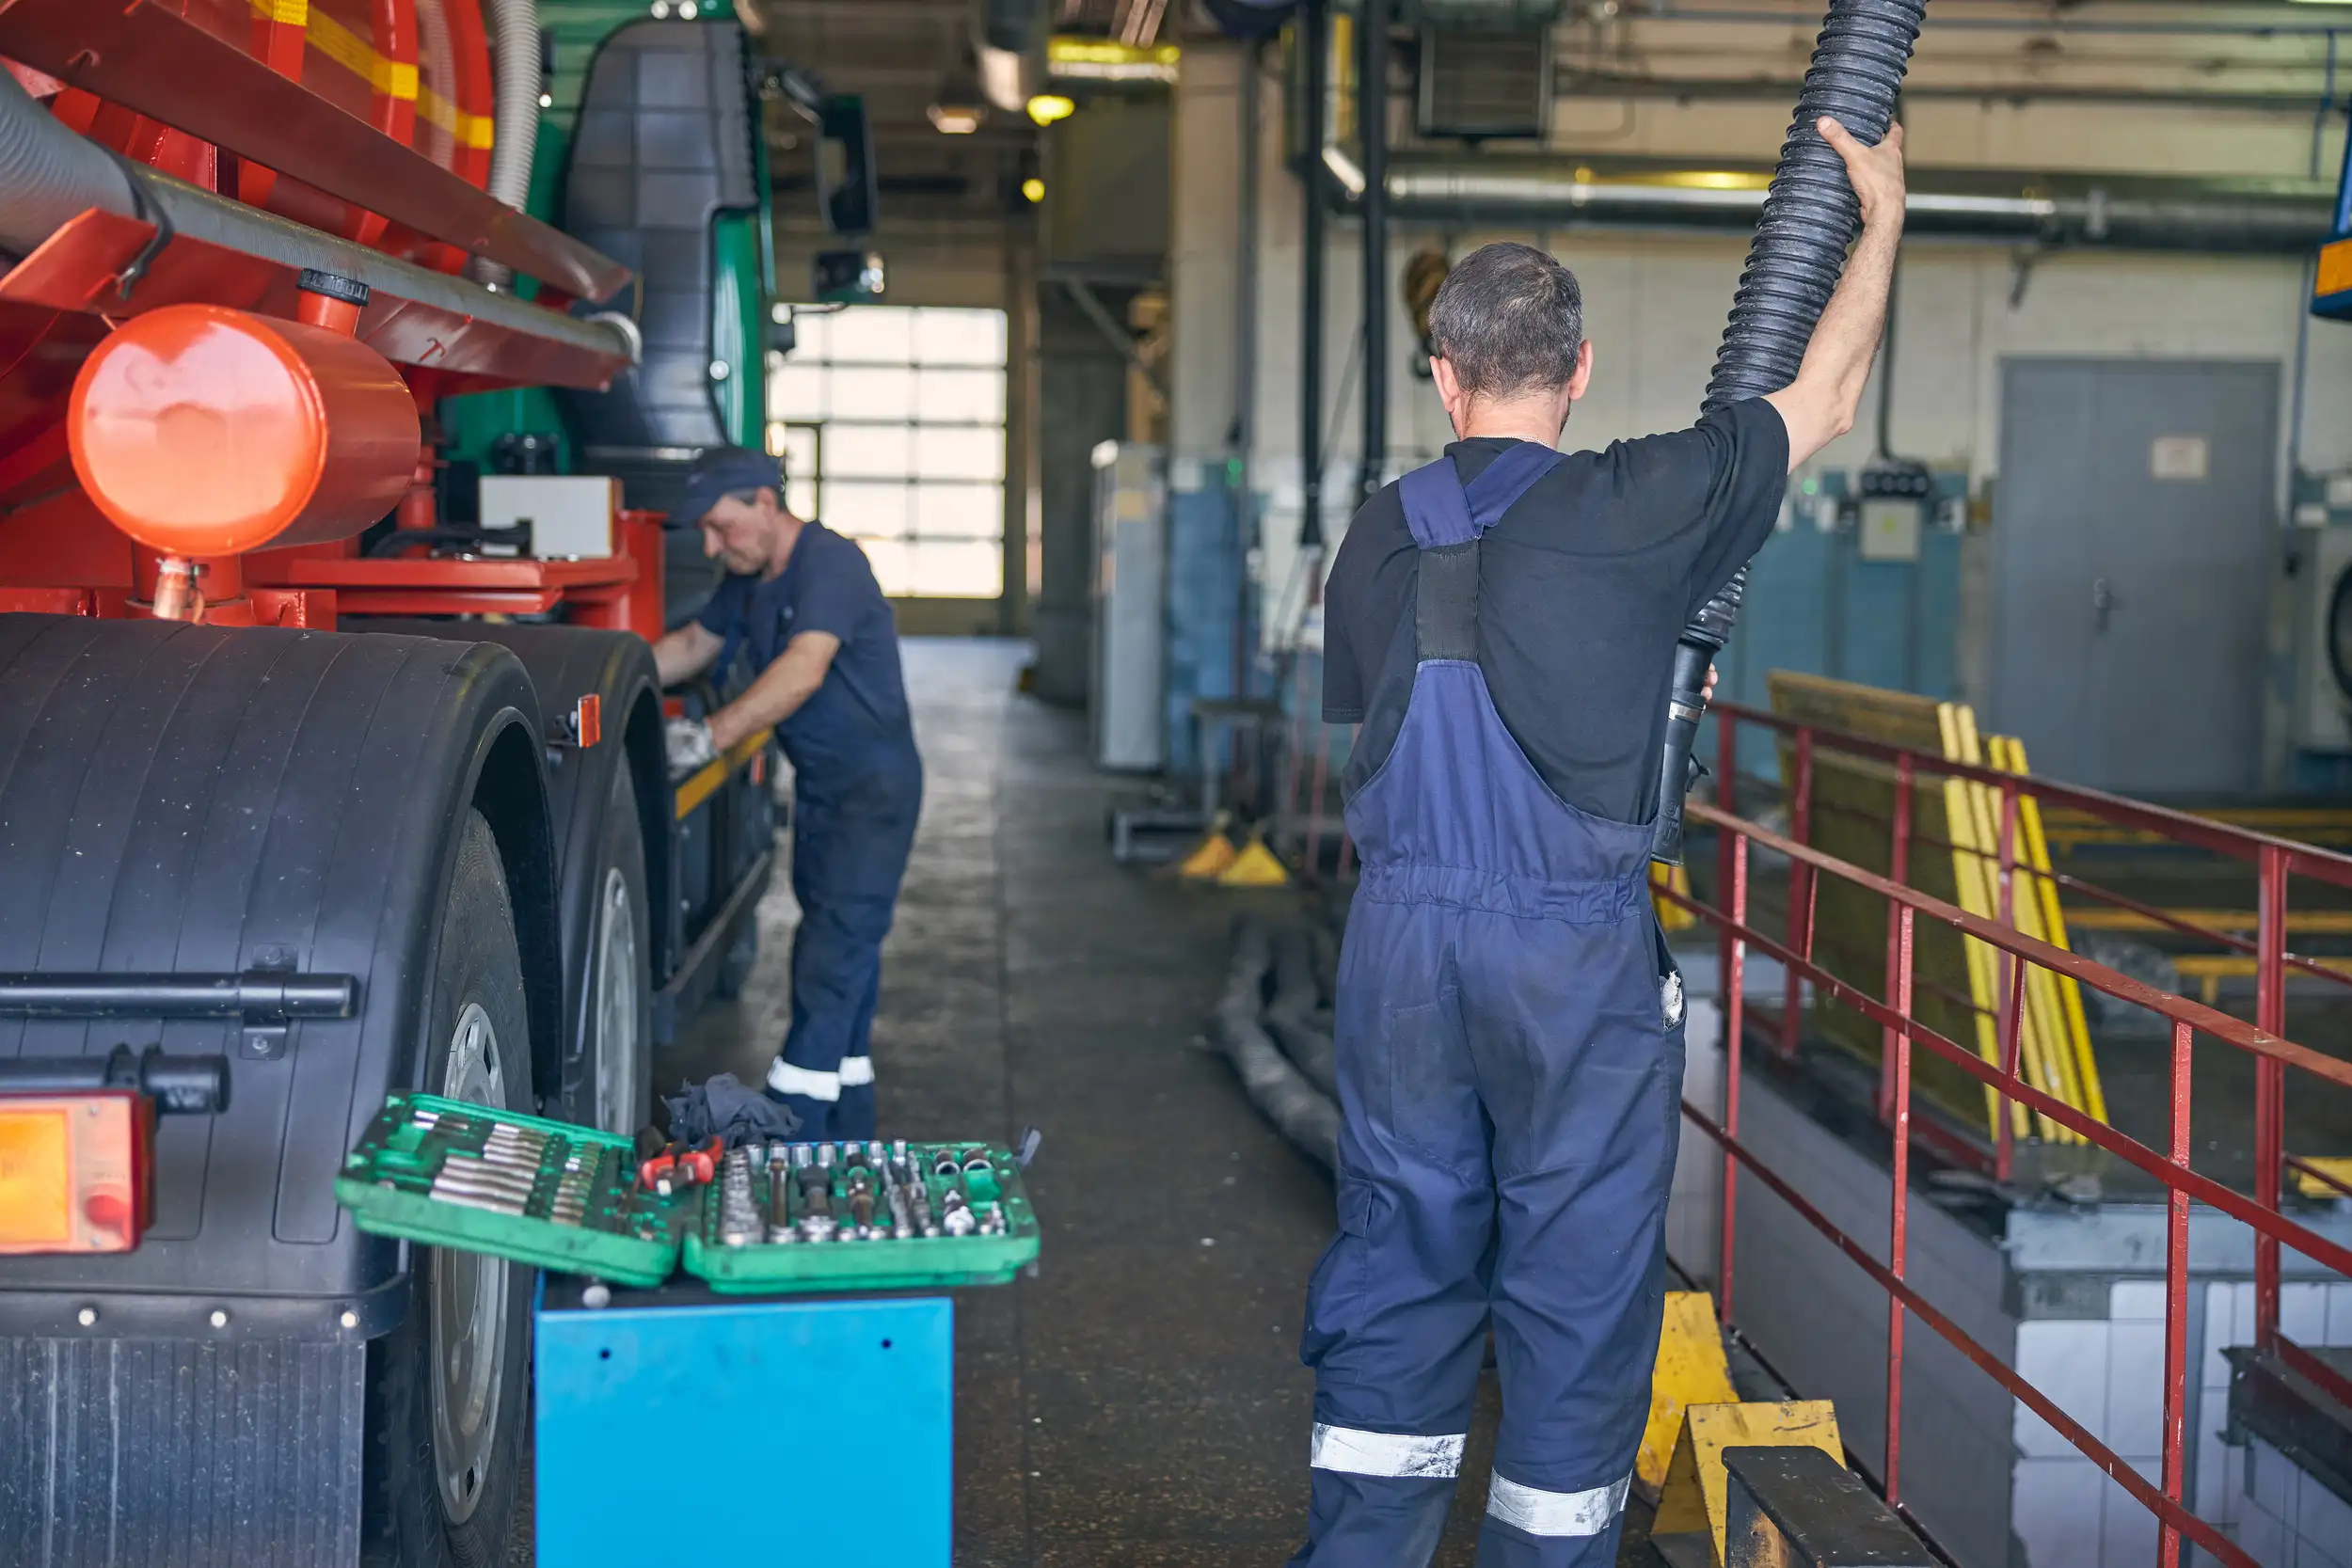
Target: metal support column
[
  {"x": 1314, "y": 34},
  {"x": 1372, "y": 128},
  {"x": 1242, "y": 434}
]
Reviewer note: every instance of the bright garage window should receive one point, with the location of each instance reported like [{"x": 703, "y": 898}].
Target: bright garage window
[{"x": 892, "y": 421}]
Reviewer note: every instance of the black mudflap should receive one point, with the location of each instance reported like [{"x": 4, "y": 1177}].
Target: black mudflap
[{"x": 122, "y": 1453}]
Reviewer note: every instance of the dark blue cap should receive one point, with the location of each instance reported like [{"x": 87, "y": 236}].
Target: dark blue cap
[{"x": 724, "y": 471}]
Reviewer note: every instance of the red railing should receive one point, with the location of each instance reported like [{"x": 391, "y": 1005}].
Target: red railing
[{"x": 2274, "y": 860}]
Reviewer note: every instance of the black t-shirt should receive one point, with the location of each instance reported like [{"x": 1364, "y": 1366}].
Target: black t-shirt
[{"x": 1584, "y": 586}]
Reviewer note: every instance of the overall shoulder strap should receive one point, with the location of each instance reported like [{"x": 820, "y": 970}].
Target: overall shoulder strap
[
  {"x": 1447, "y": 519},
  {"x": 1445, "y": 592},
  {"x": 1505, "y": 480},
  {"x": 1436, "y": 508}
]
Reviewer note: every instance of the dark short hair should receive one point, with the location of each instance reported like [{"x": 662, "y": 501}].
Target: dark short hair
[{"x": 1508, "y": 318}]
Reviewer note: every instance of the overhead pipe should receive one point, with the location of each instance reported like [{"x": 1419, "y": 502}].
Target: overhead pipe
[
  {"x": 1574, "y": 82},
  {"x": 2122, "y": 212},
  {"x": 2048, "y": 24},
  {"x": 1371, "y": 126}
]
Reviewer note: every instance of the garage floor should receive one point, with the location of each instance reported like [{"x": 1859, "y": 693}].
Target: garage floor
[{"x": 1140, "y": 1402}]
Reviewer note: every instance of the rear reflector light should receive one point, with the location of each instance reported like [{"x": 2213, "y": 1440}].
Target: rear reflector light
[{"x": 74, "y": 1172}]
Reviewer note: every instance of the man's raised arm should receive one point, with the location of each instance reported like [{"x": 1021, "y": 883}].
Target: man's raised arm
[{"x": 1819, "y": 407}]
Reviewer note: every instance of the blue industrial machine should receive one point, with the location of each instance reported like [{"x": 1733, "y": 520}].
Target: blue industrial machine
[{"x": 1861, "y": 583}]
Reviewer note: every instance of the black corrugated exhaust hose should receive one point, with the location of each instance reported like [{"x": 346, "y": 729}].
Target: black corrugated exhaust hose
[
  {"x": 1283, "y": 1093},
  {"x": 1290, "y": 1011},
  {"x": 1810, "y": 217}
]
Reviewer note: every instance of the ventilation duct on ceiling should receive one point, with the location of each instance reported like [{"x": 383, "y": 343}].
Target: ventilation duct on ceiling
[{"x": 1480, "y": 84}]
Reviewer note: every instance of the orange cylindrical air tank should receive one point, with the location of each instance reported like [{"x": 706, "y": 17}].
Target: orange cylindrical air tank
[{"x": 203, "y": 431}]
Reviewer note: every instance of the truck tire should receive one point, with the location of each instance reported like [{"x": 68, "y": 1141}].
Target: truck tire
[
  {"x": 448, "y": 1389},
  {"x": 607, "y": 869},
  {"x": 620, "y": 988}
]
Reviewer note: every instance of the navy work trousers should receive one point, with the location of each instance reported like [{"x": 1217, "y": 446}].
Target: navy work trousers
[{"x": 849, "y": 850}]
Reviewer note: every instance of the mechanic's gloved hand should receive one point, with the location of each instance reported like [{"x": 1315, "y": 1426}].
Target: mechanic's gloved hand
[{"x": 690, "y": 744}]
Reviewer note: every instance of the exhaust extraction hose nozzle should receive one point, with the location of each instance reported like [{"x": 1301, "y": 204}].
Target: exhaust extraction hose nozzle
[{"x": 1810, "y": 217}]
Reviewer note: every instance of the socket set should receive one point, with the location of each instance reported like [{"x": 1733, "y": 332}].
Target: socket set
[
  {"x": 548, "y": 1193},
  {"x": 844, "y": 1216},
  {"x": 764, "y": 1219}
]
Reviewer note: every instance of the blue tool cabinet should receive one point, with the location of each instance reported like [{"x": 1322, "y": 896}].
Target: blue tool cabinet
[{"x": 697, "y": 1429}]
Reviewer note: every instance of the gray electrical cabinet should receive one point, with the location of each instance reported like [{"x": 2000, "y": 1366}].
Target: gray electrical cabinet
[{"x": 1130, "y": 607}]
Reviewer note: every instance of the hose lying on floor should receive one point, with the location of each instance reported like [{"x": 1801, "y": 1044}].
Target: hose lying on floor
[
  {"x": 1290, "y": 1013},
  {"x": 1298, "y": 1110}
]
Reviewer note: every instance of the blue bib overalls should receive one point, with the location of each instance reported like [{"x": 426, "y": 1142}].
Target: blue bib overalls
[{"x": 1510, "y": 1061}]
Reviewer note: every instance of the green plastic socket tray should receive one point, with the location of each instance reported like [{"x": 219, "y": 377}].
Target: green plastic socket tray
[
  {"x": 549, "y": 1193},
  {"x": 566, "y": 1199},
  {"x": 965, "y": 1220}
]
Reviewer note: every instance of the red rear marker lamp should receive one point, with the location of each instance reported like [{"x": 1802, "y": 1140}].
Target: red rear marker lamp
[
  {"x": 203, "y": 431},
  {"x": 75, "y": 1171},
  {"x": 77, "y": 1142}
]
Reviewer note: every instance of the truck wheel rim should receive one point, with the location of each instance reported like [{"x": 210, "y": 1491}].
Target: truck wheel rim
[
  {"x": 617, "y": 1043},
  {"x": 468, "y": 1304}
]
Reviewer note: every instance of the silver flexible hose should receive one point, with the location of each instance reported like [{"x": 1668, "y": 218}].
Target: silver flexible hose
[{"x": 515, "y": 99}]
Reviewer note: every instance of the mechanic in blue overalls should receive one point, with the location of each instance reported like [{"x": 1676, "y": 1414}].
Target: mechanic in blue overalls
[
  {"x": 803, "y": 600},
  {"x": 1502, "y": 623}
]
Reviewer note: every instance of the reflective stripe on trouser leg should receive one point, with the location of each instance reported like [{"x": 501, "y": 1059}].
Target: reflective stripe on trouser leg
[
  {"x": 785, "y": 1077},
  {"x": 1384, "y": 1454},
  {"x": 1555, "y": 1514},
  {"x": 856, "y": 1070}
]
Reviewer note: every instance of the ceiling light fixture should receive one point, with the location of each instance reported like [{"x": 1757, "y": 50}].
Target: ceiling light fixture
[
  {"x": 1034, "y": 189},
  {"x": 1047, "y": 107},
  {"x": 958, "y": 108}
]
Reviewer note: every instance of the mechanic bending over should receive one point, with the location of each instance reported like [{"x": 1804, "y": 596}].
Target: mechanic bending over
[
  {"x": 803, "y": 600},
  {"x": 1503, "y": 623}
]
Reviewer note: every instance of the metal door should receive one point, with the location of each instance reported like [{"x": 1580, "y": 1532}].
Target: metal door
[{"x": 2134, "y": 542}]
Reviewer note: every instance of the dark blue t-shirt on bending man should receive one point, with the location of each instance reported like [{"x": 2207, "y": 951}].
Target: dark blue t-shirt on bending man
[{"x": 856, "y": 724}]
